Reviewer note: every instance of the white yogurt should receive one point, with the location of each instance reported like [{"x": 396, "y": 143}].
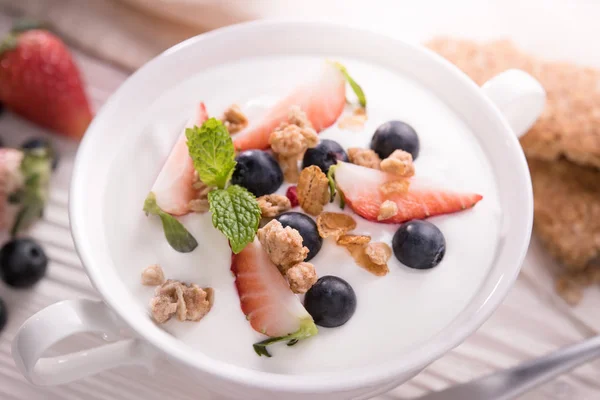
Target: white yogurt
[{"x": 394, "y": 312}]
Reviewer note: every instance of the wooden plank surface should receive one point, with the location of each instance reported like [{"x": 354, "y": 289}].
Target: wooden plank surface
[{"x": 531, "y": 322}]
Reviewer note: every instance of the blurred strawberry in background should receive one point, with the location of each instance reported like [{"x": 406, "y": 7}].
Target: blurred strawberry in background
[{"x": 40, "y": 81}]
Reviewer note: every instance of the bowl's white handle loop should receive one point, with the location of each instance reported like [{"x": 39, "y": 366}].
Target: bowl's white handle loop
[
  {"x": 519, "y": 96},
  {"x": 64, "y": 319}
]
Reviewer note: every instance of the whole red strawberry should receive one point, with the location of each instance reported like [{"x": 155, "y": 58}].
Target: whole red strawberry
[{"x": 40, "y": 81}]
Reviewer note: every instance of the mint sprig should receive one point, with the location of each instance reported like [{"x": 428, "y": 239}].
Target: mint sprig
[
  {"x": 234, "y": 209},
  {"x": 175, "y": 233},
  {"x": 212, "y": 151},
  {"x": 306, "y": 330},
  {"x": 360, "y": 94},
  {"x": 236, "y": 214}
]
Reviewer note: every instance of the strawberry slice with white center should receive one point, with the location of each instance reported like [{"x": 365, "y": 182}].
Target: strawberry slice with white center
[
  {"x": 322, "y": 99},
  {"x": 267, "y": 300},
  {"x": 360, "y": 187},
  {"x": 173, "y": 186}
]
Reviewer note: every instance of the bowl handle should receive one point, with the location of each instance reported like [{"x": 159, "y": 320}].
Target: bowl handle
[
  {"x": 519, "y": 96},
  {"x": 67, "y": 318}
]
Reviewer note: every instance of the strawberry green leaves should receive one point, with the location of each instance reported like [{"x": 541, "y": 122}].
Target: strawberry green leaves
[
  {"x": 175, "y": 233},
  {"x": 360, "y": 94},
  {"x": 36, "y": 168},
  {"x": 306, "y": 330},
  {"x": 234, "y": 209},
  {"x": 212, "y": 151},
  {"x": 236, "y": 214}
]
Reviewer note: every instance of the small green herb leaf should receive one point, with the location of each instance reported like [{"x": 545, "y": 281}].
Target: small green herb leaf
[
  {"x": 212, "y": 151},
  {"x": 177, "y": 236},
  {"x": 362, "y": 99},
  {"x": 306, "y": 330},
  {"x": 236, "y": 214}
]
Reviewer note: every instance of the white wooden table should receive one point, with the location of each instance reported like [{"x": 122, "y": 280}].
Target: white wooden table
[{"x": 531, "y": 322}]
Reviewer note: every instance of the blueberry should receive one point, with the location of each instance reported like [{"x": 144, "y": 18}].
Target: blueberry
[
  {"x": 394, "y": 135},
  {"x": 42, "y": 143},
  {"x": 257, "y": 171},
  {"x": 419, "y": 244},
  {"x": 307, "y": 229},
  {"x": 22, "y": 263},
  {"x": 3, "y": 314},
  {"x": 331, "y": 301},
  {"x": 326, "y": 154}
]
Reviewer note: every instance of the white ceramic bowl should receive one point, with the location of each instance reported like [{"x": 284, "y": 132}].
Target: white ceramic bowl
[{"x": 507, "y": 104}]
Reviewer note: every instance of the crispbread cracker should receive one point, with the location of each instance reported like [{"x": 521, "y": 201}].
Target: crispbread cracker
[
  {"x": 567, "y": 211},
  {"x": 570, "y": 124}
]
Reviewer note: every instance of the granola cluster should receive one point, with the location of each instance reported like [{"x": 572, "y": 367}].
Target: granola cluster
[
  {"x": 234, "y": 119},
  {"x": 290, "y": 140},
  {"x": 285, "y": 249},
  {"x": 372, "y": 256},
  {"x": 313, "y": 190},
  {"x": 388, "y": 209},
  {"x": 346, "y": 240},
  {"x": 283, "y": 245},
  {"x": 399, "y": 163},
  {"x": 186, "y": 302},
  {"x": 153, "y": 275},
  {"x": 399, "y": 186},
  {"x": 175, "y": 298},
  {"x": 271, "y": 205},
  {"x": 364, "y": 157},
  {"x": 334, "y": 224},
  {"x": 301, "y": 277}
]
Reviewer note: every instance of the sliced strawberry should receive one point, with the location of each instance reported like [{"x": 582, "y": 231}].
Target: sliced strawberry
[
  {"x": 267, "y": 300},
  {"x": 322, "y": 99},
  {"x": 173, "y": 186},
  {"x": 360, "y": 188}
]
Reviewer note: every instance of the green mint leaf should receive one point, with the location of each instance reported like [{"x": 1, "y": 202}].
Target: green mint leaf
[
  {"x": 331, "y": 178},
  {"x": 36, "y": 168},
  {"x": 212, "y": 151},
  {"x": 236, "y": 214},
  {"x": 175, "y": 233},
  {"x": 362, "y": 99},
  {"x": 306, "y": 330}
]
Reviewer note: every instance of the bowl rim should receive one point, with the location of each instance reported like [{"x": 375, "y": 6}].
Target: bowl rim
[{"x": 416, "y": 359}]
